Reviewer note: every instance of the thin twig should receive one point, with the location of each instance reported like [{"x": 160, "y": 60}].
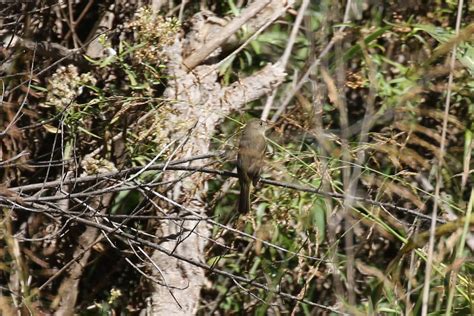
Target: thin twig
[
  {"x": 286, "y": 55},
  {"x": 204, "y": 266},
  {"x": 17, "y": 114},
  {"x": 293, "y": 186}
]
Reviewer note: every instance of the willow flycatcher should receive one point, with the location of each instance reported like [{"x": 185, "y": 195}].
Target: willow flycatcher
[{"x": 250, "y": 159}]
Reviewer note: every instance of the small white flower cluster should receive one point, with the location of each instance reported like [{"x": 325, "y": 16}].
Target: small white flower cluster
[
  {"x": 156, "y": 31},
  {"x": 66, "y": 85},
  {"x": 93, "y": 166}
]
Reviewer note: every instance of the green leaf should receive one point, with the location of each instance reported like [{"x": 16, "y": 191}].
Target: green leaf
[
  {"x": 131, "y": 49},
  {"x": 370, "y": 38},
  {"x": 39, "y": 88},
  {"x": 88, "y": 132},
  {"x": 318, "y": 214},
  {"x": 131, "y": 77},
  {"x": 467, "y": 58},
  {"x": 464, "y": 52}
]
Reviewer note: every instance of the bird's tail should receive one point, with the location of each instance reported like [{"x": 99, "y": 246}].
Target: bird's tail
[{"x": 244, "y": 199}]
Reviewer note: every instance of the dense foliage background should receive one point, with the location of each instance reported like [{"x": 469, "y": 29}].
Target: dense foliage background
[{"x": 371, "y": 131}]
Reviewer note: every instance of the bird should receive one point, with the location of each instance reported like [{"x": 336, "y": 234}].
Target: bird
[{"x": 250, "y": 159}]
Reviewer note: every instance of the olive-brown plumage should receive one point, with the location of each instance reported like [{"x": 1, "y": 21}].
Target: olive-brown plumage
[{"x": 250, "y": 159}]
